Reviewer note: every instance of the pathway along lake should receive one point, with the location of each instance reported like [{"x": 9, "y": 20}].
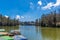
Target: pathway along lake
[{"x": 37, "y": 32}]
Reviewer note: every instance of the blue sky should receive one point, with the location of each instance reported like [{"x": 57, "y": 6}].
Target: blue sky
[{"x": 27, "y": 10}]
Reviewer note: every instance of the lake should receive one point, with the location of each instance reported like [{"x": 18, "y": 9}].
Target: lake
[
  {"x": 40, "y": 33},
  {"x": 37, "y": 32}
]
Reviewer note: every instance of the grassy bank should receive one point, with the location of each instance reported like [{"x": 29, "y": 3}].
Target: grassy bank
[{"x": 8, "y": 28}]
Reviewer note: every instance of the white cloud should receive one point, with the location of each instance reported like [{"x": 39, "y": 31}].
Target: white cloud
[
  {"x": 39, "y": 2},
  {"x": 57, "y": 3},
  {"x": 22, "y": 16},
  {"x": 31, "y": 5},
  {"x": 6, "y": 16},
  {"x": 48, "y": 6},
  {"x": 17, "y": 17},
  {"x": 51, "y": 4}
]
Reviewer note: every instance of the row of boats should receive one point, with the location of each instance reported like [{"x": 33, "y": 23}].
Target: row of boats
[{"x": 12, "y": 35}]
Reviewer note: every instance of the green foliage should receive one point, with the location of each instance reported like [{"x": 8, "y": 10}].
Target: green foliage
[
  {"x": 7, "y": 21},
  {"x": 50, "y": 19}
]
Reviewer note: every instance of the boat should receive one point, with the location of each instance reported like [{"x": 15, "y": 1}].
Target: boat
[
  {"x": 17, "y": 35},
  {"x": 15, "y": 32},
  {"x": 12, "y": 35},
  {"x": 5, "y": 35},
  {"x": 2, "y": 32}
]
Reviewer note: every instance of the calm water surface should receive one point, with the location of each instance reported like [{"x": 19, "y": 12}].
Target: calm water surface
[{"x": 37, "y": 32}]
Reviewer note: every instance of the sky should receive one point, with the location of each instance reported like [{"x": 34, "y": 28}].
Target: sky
[{"x": 27, "y": 10}]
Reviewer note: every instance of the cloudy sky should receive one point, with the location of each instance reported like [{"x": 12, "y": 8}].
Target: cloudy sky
[{"x": 27, "y": 10}]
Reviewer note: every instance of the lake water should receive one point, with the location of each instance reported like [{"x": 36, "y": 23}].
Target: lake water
[{"x": 37, "y": 32}]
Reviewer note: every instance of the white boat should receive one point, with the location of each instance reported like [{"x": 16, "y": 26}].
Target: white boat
[
  {"x": 17, "y": 35},
  {"x": 15, "y": 30},
  {"x": 2, "y": 30}
]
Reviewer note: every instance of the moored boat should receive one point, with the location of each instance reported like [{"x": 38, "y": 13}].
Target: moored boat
[
  {"x": 12, "y": 35},
  {"x": 5, "y": 35},
  {"x": 17, "y": 35},
  {"x": 2, "y": 32}
]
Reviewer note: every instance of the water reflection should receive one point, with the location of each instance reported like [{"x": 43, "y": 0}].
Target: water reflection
[
  {"x": 49, "y": 33},
  {"x": 58, "y": 33},
  {"x": 30, "y": 32},
  {"x": 38, "y": 33}
]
